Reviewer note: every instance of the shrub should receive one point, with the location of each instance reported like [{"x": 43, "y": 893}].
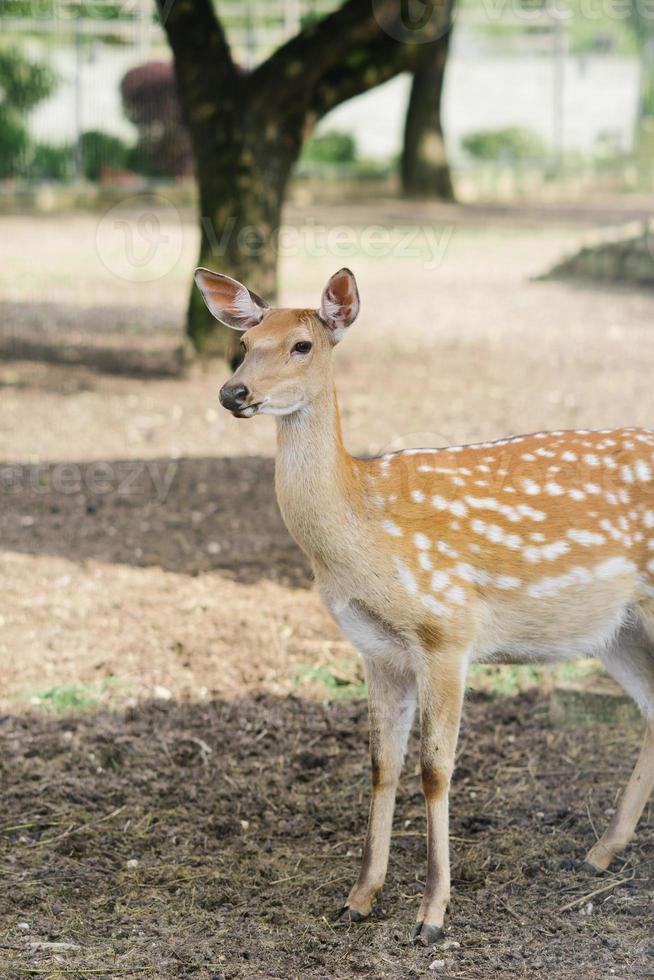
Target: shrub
[
  {"x": 150, "y": 102},
  {"x": 510, "y": 144},
  {"x": 51, "y": 162},
  {"x": 332, "y": 147},
  {"x": 22, "y": 86},
  {"x": 14, "y": 143},
  {"x": 100, "y": 150}
]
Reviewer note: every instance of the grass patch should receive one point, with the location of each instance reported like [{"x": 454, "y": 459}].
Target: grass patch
[
  {"x": 340, "y": 681},
  {"x": 66, "y": 698},
  {"x": 506, "y": 680}
]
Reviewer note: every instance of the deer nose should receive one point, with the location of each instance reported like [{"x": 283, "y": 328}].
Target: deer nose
[{"x": 233, "y": 397}]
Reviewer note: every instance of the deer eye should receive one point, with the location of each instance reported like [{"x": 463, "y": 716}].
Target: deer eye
[{"x": 302, "y": 347}]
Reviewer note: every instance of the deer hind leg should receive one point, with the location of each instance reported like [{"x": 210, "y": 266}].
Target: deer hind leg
[
  {"x": 632, "y": 665},
  {"x": 441, "y": 700},
  {"x": 391, "y": 702}
]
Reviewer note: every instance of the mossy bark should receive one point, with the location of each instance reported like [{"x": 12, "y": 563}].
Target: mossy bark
[
  {"x": 240, "y": 206},
  {"x": 425, "y": 169}
]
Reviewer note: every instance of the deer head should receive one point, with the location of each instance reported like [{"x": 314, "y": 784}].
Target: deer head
[{"x": 286, "y": 353}]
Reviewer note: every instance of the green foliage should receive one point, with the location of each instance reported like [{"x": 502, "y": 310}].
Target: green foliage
[
  {"x": 340, "y": 682},
  {"x": 50, "y": 162},
  {"x": 23, "y": 85},
  {"x": 64, "y": 698},
  {"x": 69, "y": 11},
  {"x": 332, "y": 147},
  {"x": 101, "y": 150},
  {"x": 510, "y": 144},
  {"x": 507, "y": 680},
  {"x": 14, "y": 143}
]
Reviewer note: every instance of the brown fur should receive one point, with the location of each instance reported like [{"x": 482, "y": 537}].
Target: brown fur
[{"x": 537, "y": 545}]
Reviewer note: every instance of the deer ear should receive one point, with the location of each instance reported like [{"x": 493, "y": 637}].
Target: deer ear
[
  {"x": 340, "y": 303},
  {"x": 229, "y": 301}
]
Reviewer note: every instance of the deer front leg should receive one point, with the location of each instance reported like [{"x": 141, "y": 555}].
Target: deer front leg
[
  {"x": 391, "y": 703},
  {"x": 441, "y": 699}
]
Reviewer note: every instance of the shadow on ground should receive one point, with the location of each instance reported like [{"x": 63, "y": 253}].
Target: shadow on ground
[
  {"x": 219, "y": 839},
  {"x": 186, "y": 515},
  {"x": 110, "y": 339}
]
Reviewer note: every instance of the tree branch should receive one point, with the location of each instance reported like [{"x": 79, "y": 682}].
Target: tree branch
[
  {"x": 198, "y": 41},
  {"x": 360, "y": 45}
]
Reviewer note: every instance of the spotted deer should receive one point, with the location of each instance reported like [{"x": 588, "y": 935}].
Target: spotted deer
[{"x": 530, "y": 548}]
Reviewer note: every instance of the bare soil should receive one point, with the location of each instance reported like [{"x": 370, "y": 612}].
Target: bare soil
[
  {"x": 219, "y": 840},
  {"x": 143, "y": 559}
]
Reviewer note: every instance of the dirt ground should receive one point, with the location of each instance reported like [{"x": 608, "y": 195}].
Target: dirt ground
[
  {"x": 219, "y": 839},
  {"x": 148, "y": 581}
]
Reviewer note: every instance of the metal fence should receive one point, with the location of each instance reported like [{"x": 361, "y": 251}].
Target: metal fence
[
  {"x": 93, "y": 123},
  {"x": 88, "y": 48}
]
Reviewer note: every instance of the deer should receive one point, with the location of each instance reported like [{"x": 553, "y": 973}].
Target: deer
[{"x": 531, "y": 548}]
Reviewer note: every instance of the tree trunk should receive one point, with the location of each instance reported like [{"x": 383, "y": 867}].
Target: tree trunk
[
  {"x": 247, "y": 129},
  {"x": 424, "y": 167},
  {"x": 240, "y": 212}
]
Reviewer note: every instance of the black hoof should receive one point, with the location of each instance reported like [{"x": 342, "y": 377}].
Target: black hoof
[
  {"x": 425, "y": 934},
  {"x": 351, "y": 915},
  {"x": 591, "y": 869}
]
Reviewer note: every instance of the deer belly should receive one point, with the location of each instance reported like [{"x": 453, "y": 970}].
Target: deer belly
[
  {"x": 547, "y": 630},
  {"x": 365, "y": 630}
]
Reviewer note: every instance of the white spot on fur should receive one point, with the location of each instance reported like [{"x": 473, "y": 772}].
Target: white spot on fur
[
  {"x": 586, "y": 538},
  {"x": 406, "y": 577},
  {"x": 391, "y": 528},
  {"x": 554, "y": 489},
  {"x": 421, "y": 541},
  {"x": 434, "y": 606},
  {"x": 530, "y": 487},
  {"x": 456, "y": 595},
  {"x": 439, "y": 581},
  {"x": 471, "y": 574},
  {"x": 550, "y": 586},
  {"x": 613, "y": 567}
]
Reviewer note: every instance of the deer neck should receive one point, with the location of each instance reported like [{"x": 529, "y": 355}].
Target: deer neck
[{"x": 317, "y": 482}]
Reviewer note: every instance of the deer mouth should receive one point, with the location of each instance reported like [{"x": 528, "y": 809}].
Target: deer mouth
[{"x": 247, "y": 412}]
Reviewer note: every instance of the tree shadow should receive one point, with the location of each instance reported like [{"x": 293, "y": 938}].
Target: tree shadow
[
  {"x": 186, "y": 515},
  {"x": 106, "y": 338}
]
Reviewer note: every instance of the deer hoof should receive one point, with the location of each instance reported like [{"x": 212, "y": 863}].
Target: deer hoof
[
  {"x": 351, "y": 915},
  {"x": 425, "y": 934},
  {"x": 592, "y": 869}
]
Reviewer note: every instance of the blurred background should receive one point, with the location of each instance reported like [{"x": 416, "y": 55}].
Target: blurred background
[{"x": 486, "y": 168}]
